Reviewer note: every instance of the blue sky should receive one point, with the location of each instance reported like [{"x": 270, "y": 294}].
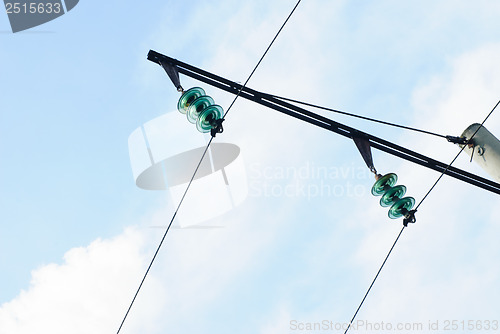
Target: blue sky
[{"x": 75, "y": 232}]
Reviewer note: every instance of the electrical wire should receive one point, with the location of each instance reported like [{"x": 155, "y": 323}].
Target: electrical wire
[
  {"x": 194, "y": 174},
  {"x": 359, "y": 116},
  {"x": 165, "y": 235},
  {"x": 461, "y": 150},
  {"x": 262, "y": 58},
  {"x": 421, "y": 201},
  {"x": 373, "y": 282}
]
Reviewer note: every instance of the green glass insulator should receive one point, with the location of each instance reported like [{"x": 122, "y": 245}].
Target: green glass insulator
[
  {"x": 401, "y": 207},
  {"x": 392, "y": 195},
  {"x": 384, "y": 183},
  {"x": 208, "y": 116},
  {"x": 188, "y": 97},
  {"x": 197, "y": 107}
]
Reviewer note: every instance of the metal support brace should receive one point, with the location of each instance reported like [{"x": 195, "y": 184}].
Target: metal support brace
[
  {"x": 363, "y": 145},
  {"x": 173, "y": 74}
]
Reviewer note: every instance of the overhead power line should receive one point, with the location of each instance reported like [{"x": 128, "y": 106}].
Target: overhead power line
[
  {"x": 195, "y": 172},
  {"x": 164, "y": 235},
  {"x": 469, "y": 140},
  {"x": 373, "y": 282},
  {"x": 263, "y": 55}
]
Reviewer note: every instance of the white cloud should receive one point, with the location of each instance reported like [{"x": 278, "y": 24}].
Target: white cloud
[
  {"x": 90, "y": 291},
  {"x": 85, "y": 294}
]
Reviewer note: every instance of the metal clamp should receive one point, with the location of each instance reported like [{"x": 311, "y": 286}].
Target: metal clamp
[
  {"x": 217, "y": 127},
  {"x": 409, "y": 218},
  {"x": 457, "y": 140}
]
